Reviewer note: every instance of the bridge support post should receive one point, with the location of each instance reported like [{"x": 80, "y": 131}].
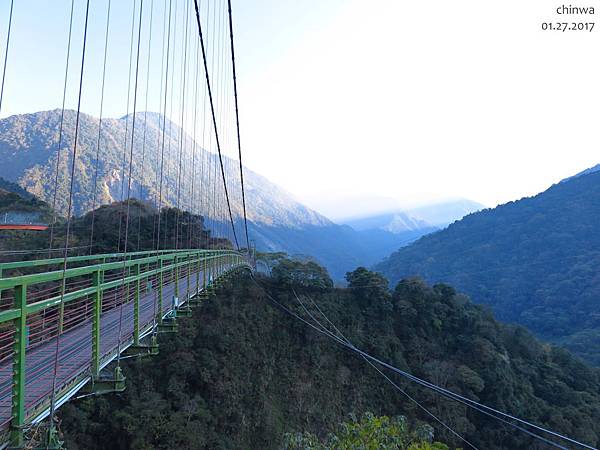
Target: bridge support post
[
  {"x": 188, "y": 293},
  {"x": 97, "y": 278},
  {"x": 18, "y": 377},
  {"x": 198, "y": 256},
  {"x": 160, "y": 293},
  {"x": 136, "y": 306},
  {"x": 176, "y": 275}
]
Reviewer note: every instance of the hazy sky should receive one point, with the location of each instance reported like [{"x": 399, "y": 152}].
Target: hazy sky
[{"x": 343, "y": 101}]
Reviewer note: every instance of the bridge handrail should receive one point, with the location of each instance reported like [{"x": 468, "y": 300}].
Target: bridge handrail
[
  {"x": 35, "y": 278},
  {"x": 206, "y": 266},
  {"x": 52, "y": 261}
]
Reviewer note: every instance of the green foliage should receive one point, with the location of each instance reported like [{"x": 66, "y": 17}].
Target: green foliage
[
  {"x": 241, "y": 374},
  {"x": 368, "y": 433},
  {"x": 534, "y": 261},
  {"x": 303, "y": 274}
]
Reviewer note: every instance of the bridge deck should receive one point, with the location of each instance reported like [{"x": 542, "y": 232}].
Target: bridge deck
[{"x": 75, "y": 348}]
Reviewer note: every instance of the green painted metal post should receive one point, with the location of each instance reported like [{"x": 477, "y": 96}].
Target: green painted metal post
[
  {"x": 189, "y": 274},
  {"x": 160, "y": 292},
  {"x": 19, "y": 349},
  {"x": 176, "y": 271},
  {"x": 204, "y": 269},
  {"x": 198, "y": 271},
  {"x": 97, "y": 279},
  {"x": 136, "y": 306}
]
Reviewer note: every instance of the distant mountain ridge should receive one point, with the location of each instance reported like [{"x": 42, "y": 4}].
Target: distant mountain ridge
[
  {"x": 394, "y": 222},
  {"x": 427, "y": 218},
  {"x": 536, "y": 261},
  {"x": 28, "y": 149},
  {"x": 442, "y": 214},
  {"x": 594, "y": 169}
]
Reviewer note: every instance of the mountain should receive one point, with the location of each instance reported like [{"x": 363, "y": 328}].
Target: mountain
[
  {"x": 442, "y": 214},
  {"x": 339, "y": 248},
  {"x": 427, "y": 218},
  {"x": 278, "y": 222},
  {"x": 28, "y": 149},
  {"x": 535, "y": 261},
  {"x": 594, "y": 169},
  {"x": 242, "y": 374},
  {"x": 394, "y": 222}
]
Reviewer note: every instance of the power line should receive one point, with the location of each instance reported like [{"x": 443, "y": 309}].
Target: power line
[{"x": 214, "y": 120}]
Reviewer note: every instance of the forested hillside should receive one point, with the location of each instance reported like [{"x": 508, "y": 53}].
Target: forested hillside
[
  {"x": 241, "y": 374},
  {"x": 536, "y": 261}
]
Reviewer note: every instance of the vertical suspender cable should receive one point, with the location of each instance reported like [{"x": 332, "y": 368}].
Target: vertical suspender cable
[
  {"x": 181, "y": 132},
  {"x": 10, "y": 15},
  {"x": 204, "y": 176},
  {"x": 139, "y": 230},
  {"x": 60, "y": 133},
  {"x": 69, "y": 212},
  {"x": 125, "y": 247},
  {"x": 237, "y": 123},
  {"x": 162, "y": 146},
  {"x": 124, "y": 159},
  {"x": 194, "y": 168},
  {"x": 212, "y": 108},
  {"x": 94, "y": 204},
  {"x": 157, "y": 205},
  {"x": 159, "y": 136}
]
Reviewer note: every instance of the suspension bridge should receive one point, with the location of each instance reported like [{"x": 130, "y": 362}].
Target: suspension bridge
[
  {"x": 70, "y": 314},
  {"x": 84, "y": 291}
]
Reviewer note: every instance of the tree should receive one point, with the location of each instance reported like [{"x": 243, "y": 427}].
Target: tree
[
  {"x": 369, "y": 433},
  {"x": 307, "y": 275}
]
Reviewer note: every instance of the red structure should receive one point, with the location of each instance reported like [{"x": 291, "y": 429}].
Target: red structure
[{"x": 25, "y": 227}]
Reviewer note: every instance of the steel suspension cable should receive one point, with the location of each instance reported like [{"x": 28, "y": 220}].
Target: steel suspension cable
[
  {"x": 157, "y": 206},
  {"x": 10, "y": 16},
  {"x": 158, "y": 174},
  {"x": 194, "y": 168},
  {"x": 124, "y": 158},
  {"x": 212, "y": 108},
  {"x": 125, "y": 248},
  {"x": 68, "y": 229},
  {"x": 166, "y": 242},
  {"x": 237, "y": 124},
  {"x": 162, "y": 146},
  {"x": 139, "y": 228},
  {"x": 213, "y": 161},
  {"x": 182, "y": 125},
  {"x": 60, "y": 132},
  {"x": 204, "y": 176},
  {"x": 339, "y": 335},
  {"x": 94, "y": 204},
  {"x": 484, "y": 409}
]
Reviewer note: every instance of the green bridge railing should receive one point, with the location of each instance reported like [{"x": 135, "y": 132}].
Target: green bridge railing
[{"x": 110, "y": 303}]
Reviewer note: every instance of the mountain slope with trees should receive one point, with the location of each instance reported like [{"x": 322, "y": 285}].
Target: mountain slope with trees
[
  {"x": 535, "y": 261},
  {"x": 243, "y": 374}
]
